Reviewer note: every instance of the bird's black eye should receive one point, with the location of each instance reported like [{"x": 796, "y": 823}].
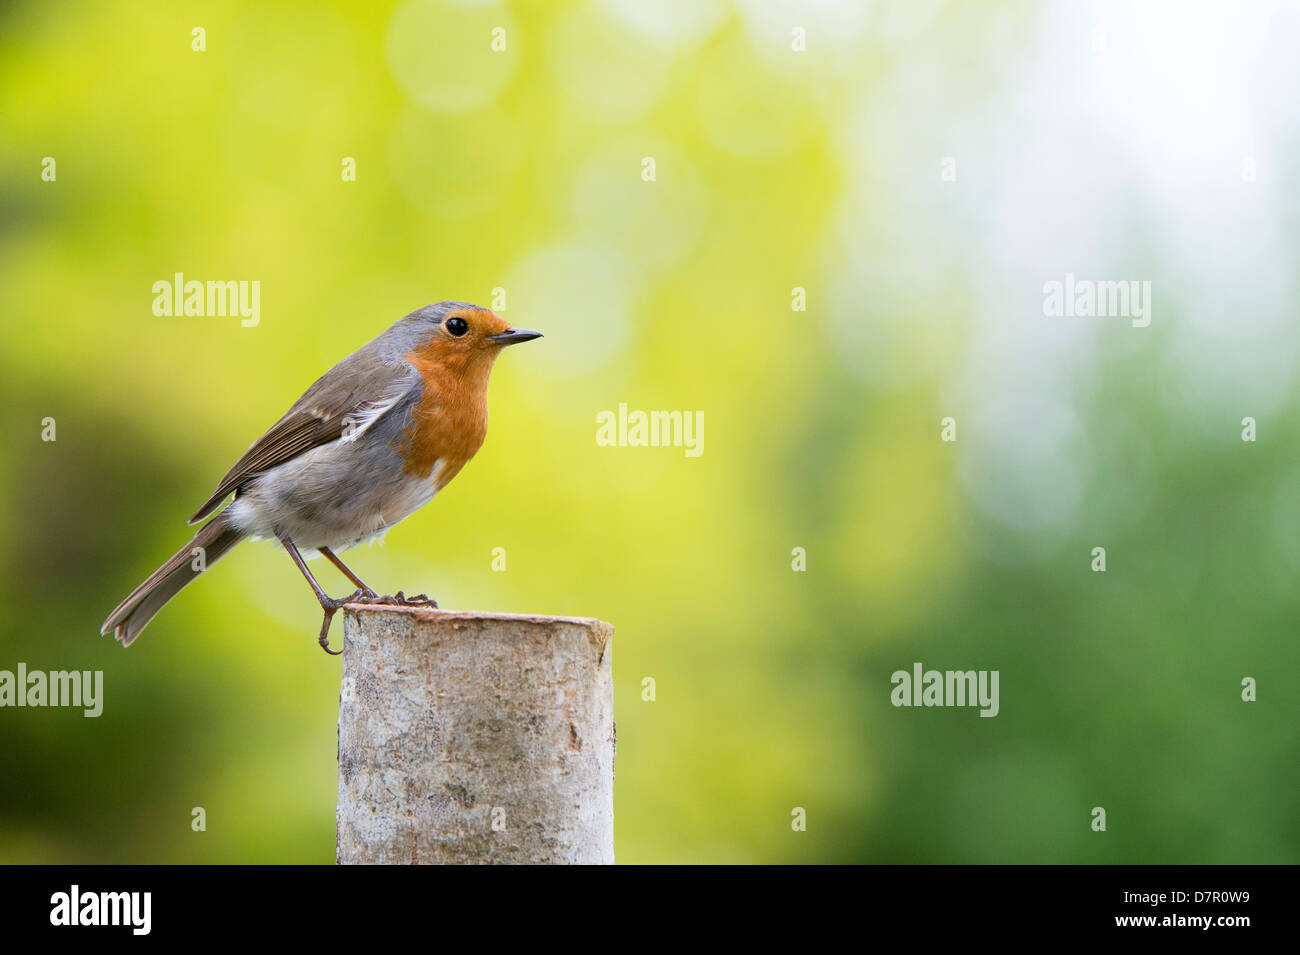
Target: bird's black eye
[{"x": 456, "y": 326}]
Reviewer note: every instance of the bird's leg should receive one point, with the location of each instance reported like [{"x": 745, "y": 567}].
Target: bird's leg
[
  {"x": 368, "y": 596},
  {"x": 333, "y": 559},
  {"x": 327, "y": 603}
]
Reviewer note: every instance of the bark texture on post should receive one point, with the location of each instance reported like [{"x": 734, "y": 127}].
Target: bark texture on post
[{"x": 475, "y": 737}]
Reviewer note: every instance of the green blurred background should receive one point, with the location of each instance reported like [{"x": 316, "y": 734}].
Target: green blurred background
[{"x": 1153, "y": 143}]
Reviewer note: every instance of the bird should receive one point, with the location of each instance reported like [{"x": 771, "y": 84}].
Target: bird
[{"x": 371, "y": 442}]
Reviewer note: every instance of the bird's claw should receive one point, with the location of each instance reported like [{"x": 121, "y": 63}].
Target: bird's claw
[
  {"x": 330, "y": 606},
  {"x": 398, "y": 599},
  {"x": 325, "y": 634},
  {"x": 417, "y": 600}
]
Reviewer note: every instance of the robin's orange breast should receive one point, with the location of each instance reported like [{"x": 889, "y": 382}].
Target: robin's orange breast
[{"x": 449, "y": 423}]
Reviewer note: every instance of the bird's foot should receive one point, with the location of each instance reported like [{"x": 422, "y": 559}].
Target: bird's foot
[
  {"x": 398, "y": 599},
  {"x": 330, "y": 606},
  {"x": 417, "y": 600}
]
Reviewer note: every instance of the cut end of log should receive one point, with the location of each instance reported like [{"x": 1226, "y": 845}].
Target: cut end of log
[{"x": 601, "y": 632}]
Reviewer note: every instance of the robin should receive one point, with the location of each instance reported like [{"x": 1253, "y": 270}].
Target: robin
[{"x": 370, "y": 443}]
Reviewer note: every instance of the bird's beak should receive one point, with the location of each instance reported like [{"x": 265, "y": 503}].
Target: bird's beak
[{"x": 513, "y": 336}]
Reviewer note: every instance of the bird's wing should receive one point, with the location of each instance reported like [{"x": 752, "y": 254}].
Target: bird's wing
[{"x": 343, "y": 402}]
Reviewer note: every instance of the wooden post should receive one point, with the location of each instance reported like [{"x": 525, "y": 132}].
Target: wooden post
[{"x": 475, "y": 737}]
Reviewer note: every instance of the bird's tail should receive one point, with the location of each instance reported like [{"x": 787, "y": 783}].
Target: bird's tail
[{"x": 212, "y": 541}]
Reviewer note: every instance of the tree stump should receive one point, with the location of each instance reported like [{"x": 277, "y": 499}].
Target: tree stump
[{"x": 468, "y": 737}]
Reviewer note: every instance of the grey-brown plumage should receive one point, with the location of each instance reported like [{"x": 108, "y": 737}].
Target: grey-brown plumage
[{"x": 336, "y": 401}]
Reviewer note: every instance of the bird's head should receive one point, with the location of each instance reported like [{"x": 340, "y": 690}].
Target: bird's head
[{"x": 465, "y": 338}]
